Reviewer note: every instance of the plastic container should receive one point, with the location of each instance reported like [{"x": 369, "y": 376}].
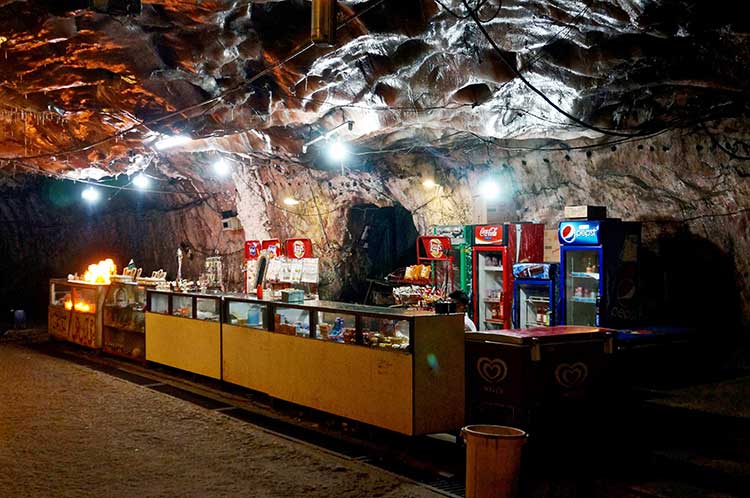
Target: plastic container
[{"x": 493, "y": 460}]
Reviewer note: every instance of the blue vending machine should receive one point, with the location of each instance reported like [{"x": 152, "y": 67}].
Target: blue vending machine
[
  {"x": 599, "y": 272},
  {"x": 535, "y": 295}
]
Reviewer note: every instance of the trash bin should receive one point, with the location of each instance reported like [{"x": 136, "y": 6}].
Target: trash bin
[{"x": 493, "y": 460}]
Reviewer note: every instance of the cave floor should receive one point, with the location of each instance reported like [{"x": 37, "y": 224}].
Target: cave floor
[{"x": 69, "y": 431}]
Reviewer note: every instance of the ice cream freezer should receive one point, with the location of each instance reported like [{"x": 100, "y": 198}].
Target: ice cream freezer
[{"x": 509, "y": 373}]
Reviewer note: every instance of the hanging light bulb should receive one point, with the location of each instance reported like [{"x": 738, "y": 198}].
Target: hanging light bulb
[
  {"x": 489, "y": 189},
  {"x": 429, "y": 183},
  {"x": 90, "y": 195},
  {"x": 141, "y": 181},
  {"x": 290, "y": 201}
]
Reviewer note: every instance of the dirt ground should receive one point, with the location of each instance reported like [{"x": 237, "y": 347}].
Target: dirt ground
[{"x": 66, "y": 431}]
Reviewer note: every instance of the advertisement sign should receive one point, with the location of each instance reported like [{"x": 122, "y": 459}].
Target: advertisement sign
[
  {"x": 271, "y": 247},
  {"x": 453, "y": 232},
  {"x": 252, "y": 249},
  {"x": 434, "y": 248},
  {"x": 298, "y": 248},
  {"x": 579, "y": 233},
  {"x": 489, "y": 235}
]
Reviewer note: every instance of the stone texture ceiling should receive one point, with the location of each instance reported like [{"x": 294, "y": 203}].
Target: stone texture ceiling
[{"x": 409, "y": 73}]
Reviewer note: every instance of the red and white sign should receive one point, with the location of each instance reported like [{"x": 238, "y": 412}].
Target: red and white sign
[
  {"x": 271, "y": 247},
  {"x": 298, "y": 248},
  {"x": 488, "y": 235},
  {"x": 252, "y": 249},
  {"x": 434, "y": 248}
]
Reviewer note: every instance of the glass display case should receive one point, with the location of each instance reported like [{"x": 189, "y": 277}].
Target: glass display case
[
  {"x": 75, "y": 312},
  {"x": 396, "y": 369},
  {"x": 124, "y": 320},
  {"x": 246, "y": 314},
  {"x": 183, "y": 330}
]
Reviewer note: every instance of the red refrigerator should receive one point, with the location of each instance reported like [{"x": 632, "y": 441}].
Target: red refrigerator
[{"x": 496, "y": 248}]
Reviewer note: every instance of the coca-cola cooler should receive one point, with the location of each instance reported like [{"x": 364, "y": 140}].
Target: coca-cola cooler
[{"x": 496, "y": 248}]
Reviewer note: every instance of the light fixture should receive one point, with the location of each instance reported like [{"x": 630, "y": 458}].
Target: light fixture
[
  {"x": 349, "y": 124},
  {"x": 338, "y": 151},
  {"x": 291, "y": 201},
  {"x": 429, "y": 183},
  {"x": 90, "y": 195},
  {"x": 489, "y": 189},
  {"x": 173, "y": 141},
  {"x": 222, "y": 167},
  {"x": 141, "y": 181}
]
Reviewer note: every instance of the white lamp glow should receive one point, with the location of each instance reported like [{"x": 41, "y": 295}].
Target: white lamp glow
[
  {"x": 429, "y": 183},
  {"x": 222, "y": 167},
  {"x": 169, "y": 142},
  {"x": 90, "y": 195},
  {"x": 338, "y": 151},
  {"x": 290, "y": 201},
  {"x": 141, "y": 181},
  {"x": 489, "y": 189}
]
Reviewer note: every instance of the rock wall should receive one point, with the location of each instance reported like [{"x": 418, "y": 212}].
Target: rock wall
[{"x": 45, "y": 232}]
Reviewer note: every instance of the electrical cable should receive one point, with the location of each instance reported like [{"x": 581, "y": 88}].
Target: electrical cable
[
  {"x": 526, "y": 82},
  {"x": 214, "y": 100}
]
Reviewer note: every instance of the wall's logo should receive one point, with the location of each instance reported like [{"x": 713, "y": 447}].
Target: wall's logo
[
  {"x": 436, "y": 248},
  {"x": 298, "y": 249},
  {"x": 571, "y": 376},
  {"x": 492, "y": 370}
]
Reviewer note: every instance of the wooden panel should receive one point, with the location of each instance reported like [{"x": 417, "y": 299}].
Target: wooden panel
[
  {"x": 184, "y": 343},
  {"x": 58, "y": 322},
  {"x": 246, "y": 357},
  {"x": 439, "y": 374},
  {"x": 369, "y": 385},
  {"x": 83, "y": 330}
]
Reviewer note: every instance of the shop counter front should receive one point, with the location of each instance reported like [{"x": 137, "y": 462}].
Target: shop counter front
[
  {"x": 123, "y": 333},
  {"x": 75, "y": 312},
  {"x": 184, "y": 331},
  {"x": 512, "y": 372},
  {"x": 399, "y": 370}
]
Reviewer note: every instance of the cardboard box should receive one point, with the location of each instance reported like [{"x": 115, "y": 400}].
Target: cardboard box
[
  {"x": 585, "y": 212},
  {"x": 551, "y": 246}
]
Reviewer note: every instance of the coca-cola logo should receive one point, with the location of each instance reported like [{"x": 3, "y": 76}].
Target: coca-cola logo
[
  {"x": 488, "y": 232},
  {"x": 298, "y": 249},
  {"x": 436, "y": 248}
]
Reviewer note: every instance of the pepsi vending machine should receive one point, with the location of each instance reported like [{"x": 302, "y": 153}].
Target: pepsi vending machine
[
  {"x": 535, "y": 295},
  {"x": 496, "y": 249},
  {"x": 599, "y": 272}
]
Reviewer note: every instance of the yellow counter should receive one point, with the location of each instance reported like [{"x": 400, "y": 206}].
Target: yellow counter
[{"x": 184, "y": 343}]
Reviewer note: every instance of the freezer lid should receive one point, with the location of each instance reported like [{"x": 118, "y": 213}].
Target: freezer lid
[{"x": 557, "y": 333}]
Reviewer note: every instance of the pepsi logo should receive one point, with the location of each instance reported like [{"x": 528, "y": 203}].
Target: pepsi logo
[{"x": 568, "y": 233}]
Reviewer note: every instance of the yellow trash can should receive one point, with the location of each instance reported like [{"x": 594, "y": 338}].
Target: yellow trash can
[{"x": 493, "y": 460}]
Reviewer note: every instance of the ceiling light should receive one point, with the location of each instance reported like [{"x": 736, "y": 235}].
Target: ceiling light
[
  {"x": 90, "y": 195},
  {"x": 290, "y": 201},
  {"x": 141, "y": 181},
  {"x": 489, "y": 189},
  {"x": 222, "y": 167},
  {"x": 174, "y": 141},
  {"x": 429, "y": 183},
  {"x": 338, "y": 151}
]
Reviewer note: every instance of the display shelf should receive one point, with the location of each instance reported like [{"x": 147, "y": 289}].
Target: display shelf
[
  {"x": 494, "y": 320},
  {"x": 75, "y": 312},
  {"x": 583, "y": 274},
  {"x": 537, "y": 300},
  {"x": 579, "y": 299},
  {"x": 493, "y": 268}
]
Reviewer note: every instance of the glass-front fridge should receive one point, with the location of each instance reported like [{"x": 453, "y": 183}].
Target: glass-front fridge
[
  {"x": 599, "y": 272},
  {"x": 535, "y": 295}
]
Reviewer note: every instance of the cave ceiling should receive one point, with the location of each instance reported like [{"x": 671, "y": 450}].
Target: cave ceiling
[{"x": 408, "y": 73}]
